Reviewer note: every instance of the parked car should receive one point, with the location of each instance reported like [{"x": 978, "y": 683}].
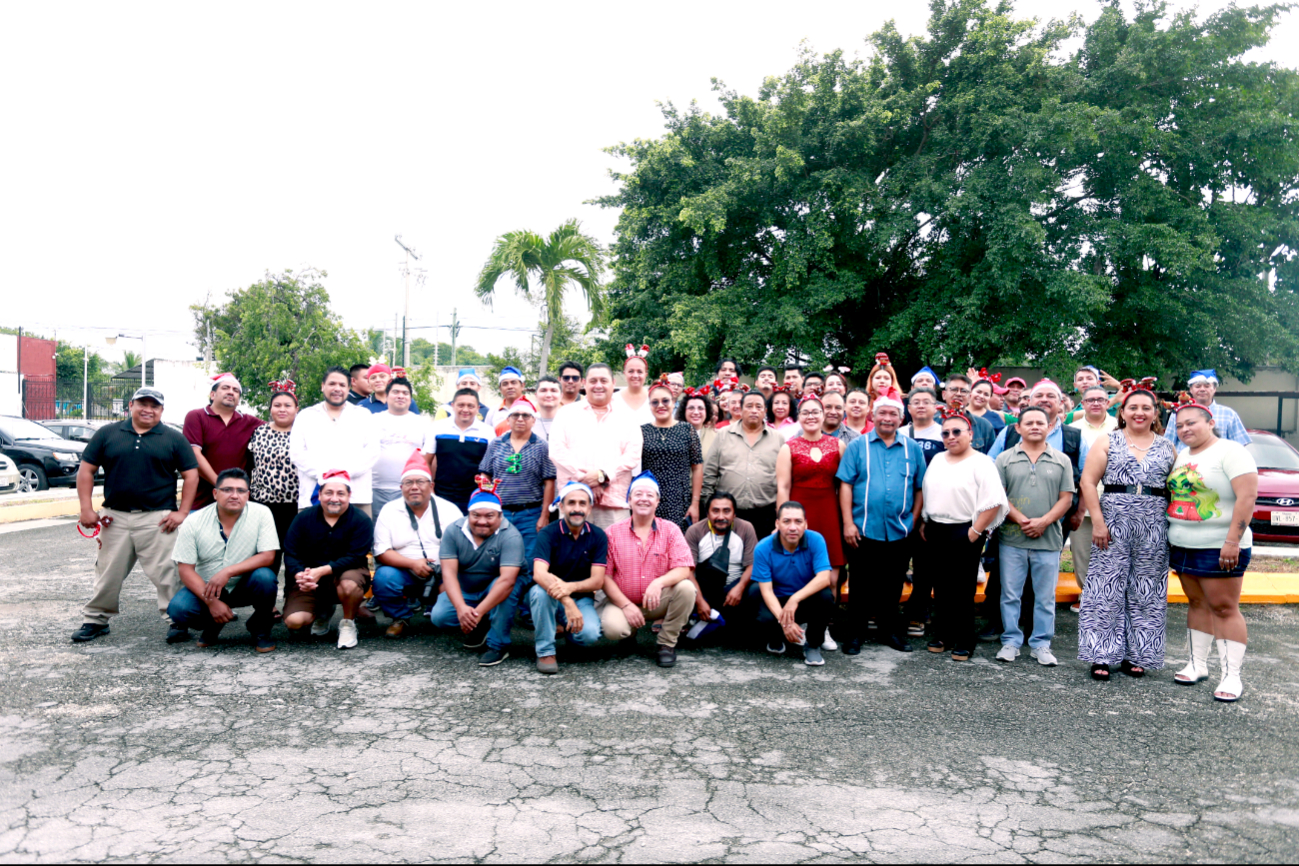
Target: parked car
[
  {"x": 9, "y": 476},
  {"x": 1276, "y": 513},
  {"x": 73, "y": 428},
  {"x": 44, "y": 460}
]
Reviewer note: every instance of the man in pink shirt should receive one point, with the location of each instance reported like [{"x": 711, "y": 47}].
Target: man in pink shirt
[
  {"x": 599, "y": 445},
  {"x": 648, "y": 573}
]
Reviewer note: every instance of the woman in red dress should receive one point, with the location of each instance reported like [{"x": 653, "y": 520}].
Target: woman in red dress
[{"x": 805, "y": 472}]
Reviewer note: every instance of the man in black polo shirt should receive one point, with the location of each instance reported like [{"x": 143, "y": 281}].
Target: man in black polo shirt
[
  {"x": 140, "y": 458},
  {"x": 569, "y": 559}
]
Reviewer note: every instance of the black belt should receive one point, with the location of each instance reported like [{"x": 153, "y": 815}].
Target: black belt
[
  {"x": 522, "y": 506},
  {"x": 1137, "y": 490}
]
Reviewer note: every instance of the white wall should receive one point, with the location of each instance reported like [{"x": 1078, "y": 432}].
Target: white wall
[{"x": 11, "y": 400}]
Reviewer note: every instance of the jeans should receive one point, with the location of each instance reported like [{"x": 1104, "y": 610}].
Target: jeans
[
  {"x": 547, "y": 612},
  {"x": 501, "y": 616},
  {"x": 258, "y": 589},
  {"x": 395, "y": 589},
  {"x": 525, "y": 520},
  {"x": 1016, "y": 564},
  {"x": 382, "y": 498}
]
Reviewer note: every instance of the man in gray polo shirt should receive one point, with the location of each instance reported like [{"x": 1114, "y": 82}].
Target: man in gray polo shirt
[
  {"x": 1039, "y": 485},
  {"x": 481, "y": 556}
]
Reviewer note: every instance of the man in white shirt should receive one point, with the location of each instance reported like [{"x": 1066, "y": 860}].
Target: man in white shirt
[
  {"x": 549, "y": 394},
  {"x": 407, "y": 538},
  {"x": 599, "y": 445},
  {"x": 334, "y": 434},
  {"x": 399, "y": 432}
]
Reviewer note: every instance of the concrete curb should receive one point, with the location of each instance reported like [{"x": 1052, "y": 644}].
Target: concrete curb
[{"x": 42, "y": 509}]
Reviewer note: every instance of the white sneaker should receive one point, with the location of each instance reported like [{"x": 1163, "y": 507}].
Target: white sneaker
[
  {"x": 1008, "y": 653},
  {"x": 346, "y": 633},
  {"x": 320, "y": 626},
  {"x": 829, "y": 645},
  {"x": 1044, "y": 656}
]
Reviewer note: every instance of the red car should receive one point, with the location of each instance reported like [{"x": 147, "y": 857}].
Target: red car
[{"x": 1276, "y": 514}]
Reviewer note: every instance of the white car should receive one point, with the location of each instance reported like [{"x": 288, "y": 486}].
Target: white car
[{"x": 9, "y": 477}]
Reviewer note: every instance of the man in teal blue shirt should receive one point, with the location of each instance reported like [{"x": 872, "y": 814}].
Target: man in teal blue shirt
[
  {"x": 880, "y": 499},
  {"x": 791, "y": 579}
]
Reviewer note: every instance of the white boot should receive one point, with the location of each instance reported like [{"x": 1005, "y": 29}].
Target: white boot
[
  {"x": 1198, "y": 644},
  {"x": 1232, "y": 654}
]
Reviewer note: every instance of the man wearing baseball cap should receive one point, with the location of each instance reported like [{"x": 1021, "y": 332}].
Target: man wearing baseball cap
[{"x": 141, "y": 457}]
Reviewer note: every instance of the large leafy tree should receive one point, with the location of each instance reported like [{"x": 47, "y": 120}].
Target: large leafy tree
[
  {"x": 279, "y": 326},
  {"x": 976, "y": 196},
  {"x": 566, "y": 258}
]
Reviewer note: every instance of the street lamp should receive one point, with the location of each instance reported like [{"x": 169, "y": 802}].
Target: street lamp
[{"x": 144, "y": 359}]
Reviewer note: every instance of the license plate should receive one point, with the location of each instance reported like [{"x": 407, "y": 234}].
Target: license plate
[{"x": 1285, "y": 518}]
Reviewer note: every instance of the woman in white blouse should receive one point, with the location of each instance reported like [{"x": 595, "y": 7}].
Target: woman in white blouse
[{"x": 963, "y": 502}]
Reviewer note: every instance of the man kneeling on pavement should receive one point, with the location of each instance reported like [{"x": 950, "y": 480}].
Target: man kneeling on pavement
[
  {"x": 648, "y": 574},
  {"x": 568, "y": 566},
  {"x": 336, "y": 537},
  {"x": 481, "y": 557},
  {"x": 791, "y": 576},
  {"x": 408, "y": 543},
  {"x": 224, "y": 552}
]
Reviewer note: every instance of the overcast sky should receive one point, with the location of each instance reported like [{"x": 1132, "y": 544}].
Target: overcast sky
[{"x": 156, "y": 153}]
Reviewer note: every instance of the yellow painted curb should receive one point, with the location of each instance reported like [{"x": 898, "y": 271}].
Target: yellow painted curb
[
  {"x": 44, "y": 510},
  {"x": 1258, "y": 588}
]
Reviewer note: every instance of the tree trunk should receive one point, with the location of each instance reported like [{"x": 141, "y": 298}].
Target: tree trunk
[{"x": 542, "y": 367}]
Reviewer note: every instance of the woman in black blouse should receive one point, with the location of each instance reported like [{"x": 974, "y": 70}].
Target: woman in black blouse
[{"x": 671, "y": 450}]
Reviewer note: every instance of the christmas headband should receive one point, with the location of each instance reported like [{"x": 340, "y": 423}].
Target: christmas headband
[{"x": 633, "y": 352}]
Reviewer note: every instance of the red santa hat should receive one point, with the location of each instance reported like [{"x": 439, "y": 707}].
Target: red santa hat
[
  {"x": 336, "y": 474},
  {"x": 416, "y": 467},
  {"x": 891, "y": 397}
]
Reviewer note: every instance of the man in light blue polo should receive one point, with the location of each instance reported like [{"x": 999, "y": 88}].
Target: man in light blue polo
[
  {"x": 791, "y": 582},
  {"x": 880, "y": 498},
  {"x": 1203, "y": 385}
]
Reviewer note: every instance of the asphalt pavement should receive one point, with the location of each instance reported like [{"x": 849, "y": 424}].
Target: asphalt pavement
[{"x": 130, "y": 749}]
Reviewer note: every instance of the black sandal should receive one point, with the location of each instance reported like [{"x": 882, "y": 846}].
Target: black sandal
[
  {"x": 1134, "y": 671},
  {"x": 1101, "y": 672}
]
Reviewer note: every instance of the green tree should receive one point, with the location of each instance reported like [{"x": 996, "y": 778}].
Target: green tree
[
  {"x": 280, "y": 326},
  {"x": 974, "y": 194},
  {"x": 130, "y": 360},
  {"x": 72, "y": 362},
  {"x": 567, "y": 257}
]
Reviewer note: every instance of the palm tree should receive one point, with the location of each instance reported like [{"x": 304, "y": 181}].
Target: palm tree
[
  {"x": 567, "y": 256},
  {"x": 130, "y": 360}
]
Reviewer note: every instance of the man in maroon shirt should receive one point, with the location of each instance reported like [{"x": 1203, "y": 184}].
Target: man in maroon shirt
[{"x": 219, "y": 434}]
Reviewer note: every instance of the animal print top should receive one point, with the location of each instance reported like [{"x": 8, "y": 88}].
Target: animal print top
[{"x": 274, "y": 478}]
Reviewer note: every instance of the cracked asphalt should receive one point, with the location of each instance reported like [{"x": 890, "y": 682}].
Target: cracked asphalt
[{"x": 129, "y": 749}]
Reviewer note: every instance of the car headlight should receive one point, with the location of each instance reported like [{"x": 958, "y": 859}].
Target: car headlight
[{"x": 67, "y": 456}]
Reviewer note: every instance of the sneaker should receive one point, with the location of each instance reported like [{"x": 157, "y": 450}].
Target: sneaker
[
  {"x": 870, "y": 625},
  {"x": 828, "y": 645},
  {"x": 478, "y": 637},
  {"x": 916, "y": 629},
  {"x": 667, "y": 656},
  {"x": 264, "y": 643},
  {"x": 89, "y": 631},
  {"x": 803, "y": 641},
  {"x": 1007, "y": 653},
  {"x": 812, "y": 656},
  {"x": 346, "y": 633},
  {"x": 990, "y": 636},
  {"x": 176, "y": 634},
  {"x": 852, "y": 647},
  {"x": 320, "y": 626},
  {"x": 493, "y": 657},
  {"x": 208, "y": 637},
  {"x": 935, "y": 646},
  {"x": 1044, "y": 656},
  {"x": 372, "y": 603},
  {"x": 776, "y": 647}
]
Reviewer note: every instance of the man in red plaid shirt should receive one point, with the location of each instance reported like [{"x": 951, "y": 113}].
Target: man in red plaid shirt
[{"x": 648, "y": 573}]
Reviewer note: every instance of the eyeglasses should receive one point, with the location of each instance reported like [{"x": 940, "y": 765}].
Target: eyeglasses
[
  {"x": 959, "y": 390},
  {"x": 416, "y": 482},
  {"x": 1095, "y": 400},
  {"x": 571, "y": 378},
  {"x": 233, "y": 491}
]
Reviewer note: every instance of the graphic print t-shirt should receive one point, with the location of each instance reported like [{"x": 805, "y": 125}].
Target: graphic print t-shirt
[{"x": 1201, "y": 498}]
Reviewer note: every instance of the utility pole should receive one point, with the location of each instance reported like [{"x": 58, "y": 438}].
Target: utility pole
[
  {"x": 455, "y": 334},
  {"x": 410, "y": 254}
]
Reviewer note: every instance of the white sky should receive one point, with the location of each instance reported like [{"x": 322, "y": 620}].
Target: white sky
[{"x": 154, "y": 153}]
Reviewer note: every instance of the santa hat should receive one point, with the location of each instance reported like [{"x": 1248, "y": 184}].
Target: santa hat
[
  {"x": 333, "y": 474},
  {"x": 522, "y": 406},
  {"x": 645, "y": 479},
  {"x": 1045, "y": 381},
  {"x": 230, "y": 377},
  {"x": 467, "y": 373},
  {"x": 573, "y": 486},
  {"x": 416, "y": 467},
  {"x": 1198, "y": 376},
  {"x": 485, "y": 500},
  {"x": 508, "y": 373},
  {"x": 891, "y": 397},
  {"x": 378, "y": 368},
  {"x": 924, "y": 371}
]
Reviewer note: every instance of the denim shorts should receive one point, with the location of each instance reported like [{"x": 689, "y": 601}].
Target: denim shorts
[{"x": 1203, "y": 562}]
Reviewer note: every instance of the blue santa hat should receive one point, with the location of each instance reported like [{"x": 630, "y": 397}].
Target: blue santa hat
[
  {"x": 645, "y": 478},
  {"x": 922, "y": 371},
  {"x": 1203, "y": 376},
  {"x": 467, "y": 373},
  {"x": 485, "y": 499},
  {"x": 572, "y": 486},
  {"x": 510, "y": 373}
]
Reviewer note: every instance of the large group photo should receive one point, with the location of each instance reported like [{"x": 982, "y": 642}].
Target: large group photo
[{"x": 891, "y": 458}]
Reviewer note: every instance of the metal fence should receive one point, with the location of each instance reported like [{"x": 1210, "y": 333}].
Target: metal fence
[{"x": 101, "y": 401}]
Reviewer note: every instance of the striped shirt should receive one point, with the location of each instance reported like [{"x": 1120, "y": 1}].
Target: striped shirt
[
  {"x": 458, "y": 454},
  {"x": 1226, "y": 424},
  {"x": 522, "y": 475}
]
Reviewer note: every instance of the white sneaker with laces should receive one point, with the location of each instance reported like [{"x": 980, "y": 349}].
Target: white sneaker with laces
[
  {"x": 346, "y": 633},
  {"x": 320, "y": 626},
  {"x": 1008, "y": 653},
  {"x": 1044, "y": 657},
  {"x": 829, "y": 644}
]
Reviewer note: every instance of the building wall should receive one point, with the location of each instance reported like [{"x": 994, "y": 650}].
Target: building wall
[{"x": 11, "y": 401}]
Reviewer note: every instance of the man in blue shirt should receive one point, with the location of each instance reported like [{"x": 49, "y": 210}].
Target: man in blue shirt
[
  {"x": 880, "y": 498},
  {"x": 791, "y": 575}
]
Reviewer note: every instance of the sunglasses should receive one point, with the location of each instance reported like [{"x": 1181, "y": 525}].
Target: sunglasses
[
  {"x": 951, "y": 434},
  {"x": 663, "y": 402},
  {"x": 571, "y": 378}
]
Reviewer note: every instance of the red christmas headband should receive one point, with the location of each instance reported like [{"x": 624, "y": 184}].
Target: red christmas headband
[
  {"x": 882, "y": 359},
  {"x": 285, "y": 387},
  {"x": 995, "y": 378},
  {"x": 633, "y": 352}
]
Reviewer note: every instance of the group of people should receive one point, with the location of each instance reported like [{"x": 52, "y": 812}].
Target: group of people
[{"x": 723, "y": 512}]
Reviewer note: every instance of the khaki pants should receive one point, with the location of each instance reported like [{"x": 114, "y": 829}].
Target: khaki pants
[
  {"x": 606, "y": 517},
  {"x": 1080, "y": 544},
  {"x": 674, "y": 609},
  {"x": 130, "y": 538}
]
